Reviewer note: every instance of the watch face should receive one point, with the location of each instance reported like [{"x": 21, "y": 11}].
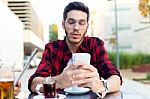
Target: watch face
[{"x": 108, "y": 86}]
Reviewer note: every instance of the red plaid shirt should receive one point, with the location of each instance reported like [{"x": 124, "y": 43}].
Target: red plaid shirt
[{"x": 57, "y": 54}]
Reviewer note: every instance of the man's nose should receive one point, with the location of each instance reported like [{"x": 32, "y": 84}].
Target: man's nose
[{"x": 76, "y": 26}]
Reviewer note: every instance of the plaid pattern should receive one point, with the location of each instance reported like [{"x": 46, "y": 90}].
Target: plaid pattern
[{"x": 57, "y": 54}]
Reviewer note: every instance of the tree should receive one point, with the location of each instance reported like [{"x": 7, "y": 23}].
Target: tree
[
  {"x": 53, "y": 32},
  {"x": 144, "y": 8}
]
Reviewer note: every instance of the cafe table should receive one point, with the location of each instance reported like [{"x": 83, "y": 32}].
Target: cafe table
[
  {"x": 129, "y": 90},
  {"x": 91, "y": 95}
]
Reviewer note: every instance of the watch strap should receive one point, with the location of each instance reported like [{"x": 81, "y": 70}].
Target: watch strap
[
  {"x": 101, "y": 95},
  {"x": 106, "y": 86}
]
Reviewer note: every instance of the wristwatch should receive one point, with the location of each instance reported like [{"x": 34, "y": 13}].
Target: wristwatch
[{"x": 106, "y": 85}]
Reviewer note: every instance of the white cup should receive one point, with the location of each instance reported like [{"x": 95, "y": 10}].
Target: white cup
[{"x": 80, "y": 57}]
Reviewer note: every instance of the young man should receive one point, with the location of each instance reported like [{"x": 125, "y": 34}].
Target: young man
[{"x": 57, "y": 54}]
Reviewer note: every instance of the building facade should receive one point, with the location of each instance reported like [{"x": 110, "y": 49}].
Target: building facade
[
  {"x": 132, "y": 32},
  {"x": 26, "y": 28},
  {"x": 11, "y": 38},
  {"x": 33, "y": 29}
]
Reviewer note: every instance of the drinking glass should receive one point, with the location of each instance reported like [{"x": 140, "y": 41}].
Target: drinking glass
[
  {"x": 49, "y": 88},
  {"x": 6, "y": 83}
]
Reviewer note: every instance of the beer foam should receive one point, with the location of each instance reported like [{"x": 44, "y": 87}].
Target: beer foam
[{"x": 6, "y": 79}]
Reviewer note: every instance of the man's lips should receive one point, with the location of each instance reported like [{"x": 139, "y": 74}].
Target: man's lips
[{"x": 74, "y": 35}]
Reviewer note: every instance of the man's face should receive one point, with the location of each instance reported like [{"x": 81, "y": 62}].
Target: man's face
[{"x": 75, "y": 26}]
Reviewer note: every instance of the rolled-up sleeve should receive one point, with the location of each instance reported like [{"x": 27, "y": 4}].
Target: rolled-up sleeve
[{"x": 105, "y": 67}]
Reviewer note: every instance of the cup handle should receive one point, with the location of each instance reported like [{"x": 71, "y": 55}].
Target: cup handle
[{"x": 38, "y": 86}]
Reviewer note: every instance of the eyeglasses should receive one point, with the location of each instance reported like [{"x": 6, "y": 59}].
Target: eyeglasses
[{"x": 72, "y": 23}]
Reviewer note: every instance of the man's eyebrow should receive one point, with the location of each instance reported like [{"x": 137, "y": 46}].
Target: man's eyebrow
[
  {"x": 77, "y": 20},
  {"x": 82, "y": 20},
  {"x": 70, "y": 19}
]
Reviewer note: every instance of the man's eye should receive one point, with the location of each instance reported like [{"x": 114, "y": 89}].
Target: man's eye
[
  {"x": 82, "y": 23},
  {"x": 71, "y": 22}
]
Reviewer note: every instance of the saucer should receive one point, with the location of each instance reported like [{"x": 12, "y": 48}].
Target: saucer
[{"x": 80, "y": 90}]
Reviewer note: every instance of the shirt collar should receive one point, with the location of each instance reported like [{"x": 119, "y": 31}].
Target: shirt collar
[{"x": 83, "y": 45}]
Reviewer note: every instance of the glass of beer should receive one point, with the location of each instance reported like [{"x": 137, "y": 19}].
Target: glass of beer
[{"x": 6, "y": 83}]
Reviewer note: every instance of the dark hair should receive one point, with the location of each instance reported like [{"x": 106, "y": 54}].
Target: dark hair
[{"x": 76, "y": 6}]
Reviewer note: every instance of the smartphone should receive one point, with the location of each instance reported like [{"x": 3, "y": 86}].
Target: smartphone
[{"x": 26, "y": 65}]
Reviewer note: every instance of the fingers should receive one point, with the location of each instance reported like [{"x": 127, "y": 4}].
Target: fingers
[
  {"x": 82, "y": 81},
  {"x": 88, "y": 67},
  {"x": 79, "y": 73},
  {"x": 86, "y": 85},
  {"x": 76, "y": 74},
  {"x": 74, "y": 65},
  {"x": 86, "y": 78},
  {"x": 89, "y": 85},
  {"x": 84, "y": 74},
  {"x": 81, "y": 65},
  {"x": 65, "y": 79},
  {"x": 95, "y": 85}
]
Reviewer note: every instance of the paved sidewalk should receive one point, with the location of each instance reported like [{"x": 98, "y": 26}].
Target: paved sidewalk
[
  {"x": 135, "y": 90},
  {"x": 128, "y": 74},
  {"x": 24, "y": 82}
]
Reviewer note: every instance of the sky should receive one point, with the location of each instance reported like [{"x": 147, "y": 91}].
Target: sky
[{"x": 52, "y": 9}]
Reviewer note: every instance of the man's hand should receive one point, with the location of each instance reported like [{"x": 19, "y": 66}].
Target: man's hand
[
  {"x": 89, "y": 78},
  {"x": 82, "y": 75},
  {"x": 65, "y": 79}
]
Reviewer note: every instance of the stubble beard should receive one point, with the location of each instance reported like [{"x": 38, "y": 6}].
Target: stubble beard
[{"x": 73, "y": 42}]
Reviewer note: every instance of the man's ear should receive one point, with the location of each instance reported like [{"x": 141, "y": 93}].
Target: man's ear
[
  {"x": 87, "y": 25},
  {"x": 63, "y": 24}
]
